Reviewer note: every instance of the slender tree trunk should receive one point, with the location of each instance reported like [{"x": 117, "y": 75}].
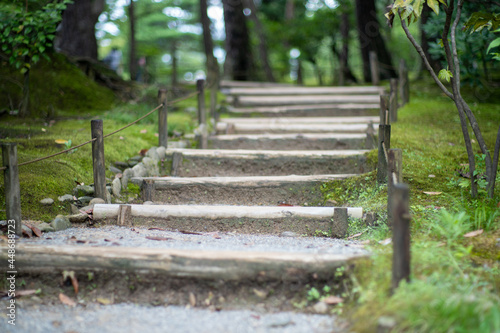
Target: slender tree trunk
[
  {"x": 264, "y": 57},
  {"x": 370, "y": 39},
  {"x": 24, "y": 109},
  {"x": 76, "y": 36},
  {"x": 211, "y": 62},
  {"x": 239, "y": 63},
  {"x": 132, "y": 47},
  {"x": 425, "y": 39},
  {"x": 174, "y": 63}
]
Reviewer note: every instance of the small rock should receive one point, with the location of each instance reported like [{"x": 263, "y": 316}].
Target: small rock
[
  {"x": 45, "y": 227},
  {"x": 96, "y": 201},
  {"x": 27, "y": 231},
  {"x": 288, "y": 234},
  {"x": 127, "y": 174},
  {"x": 114, "y": 170},
  {"x": 151, "y": 166},
  {"x": 85, "y": 199},
  {"x": 386, "y": 324},
  {"x": 47, "y": 201},
  {"x": 65, "y": 198},
  {"x": 108, "y": 197},
  {"x": 140, "y": 170},
  {"x": 161, "y": 153},
  {"x": 152, "y": 153},
  {"x": 83, "y": 190},
  {"x": 61, "y": 222},
  {"x": 320, "y": 307},
  {"x": 121, "y": 165},
  {"x": 73, "y": 209},
  {"x": 116, "y": 187}
]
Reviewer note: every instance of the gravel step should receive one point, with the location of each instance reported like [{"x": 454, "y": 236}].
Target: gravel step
[
  {"x": 210, "y": 162},
  {"x": 242, "y": 219},
  {"x": 257, "y": 190}
]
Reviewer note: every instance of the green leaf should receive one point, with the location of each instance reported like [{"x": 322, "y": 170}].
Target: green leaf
[
  {"x": 418, "y": 5},
  {"x": 434, "y": 5},
  {"x": 493, "y": 44},
  {"x": 445, "y": 75}
]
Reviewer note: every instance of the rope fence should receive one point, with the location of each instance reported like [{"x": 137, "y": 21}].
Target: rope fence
[{"x": 11, "y": 167}]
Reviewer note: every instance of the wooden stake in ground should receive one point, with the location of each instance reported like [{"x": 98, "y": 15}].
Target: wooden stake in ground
[
  {"x": 98, "y": 159},
  {"x": 12, "y": 188},
  {"x": 401, "y": 234},
  {"x": 162, "y": 119}
]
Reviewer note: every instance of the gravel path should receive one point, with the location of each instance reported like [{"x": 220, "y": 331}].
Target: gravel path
[
  {"x": 124, "y": 318},
  {"x": 143, "y": 237}
]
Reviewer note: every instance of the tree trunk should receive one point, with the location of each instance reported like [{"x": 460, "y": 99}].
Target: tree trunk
[
  {"x": 174, "y": 63},
  {"x": 370, "y": 39},
  {"x": 238, "y": 64},
  {"x": 24, "y": 109},
  {"x": 262, "y": 41},
  {"x": 211, "y": 62},
  {"x": 76, "y": 36},
  {"x": 424, "y": 39},
  {"x": 132, "y": 56}
]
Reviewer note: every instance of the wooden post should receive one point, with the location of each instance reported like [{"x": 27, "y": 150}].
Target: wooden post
[
  {"x": 393, "y": 100},
  {"x": 384, "y": 107},
  {"x": 124, "y": 215},
  {"x": 384, "y": 138},
  {"x": 401, "y": 235},
  {"x": 96, "y": 126},
  {"x": 176, "y": 163},
  {"x": 162, "y": 119},
  {"x": 404, "y": 83},
  {"x": 394, "y": 167},
  {"x": 374, "y": 68},
  {"x": 202, "y": 117},
  {"x": 213, "y": 104},
  {"x": 12, "y": 187},
  {"x": 339, "y": 222},
  {"x": 148, "y": 189}
]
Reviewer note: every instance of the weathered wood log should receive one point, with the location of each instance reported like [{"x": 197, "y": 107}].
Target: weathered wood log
[
  {"x": 394, "y": 176},
  {"x": 225, "y": 265},
  {"x": 280, "y": 91},
  {"x": 384, "y": 140},
  {"x": 12, "y": 187},
  {"x": 254, "y": 128},
  {"x": 148, "y": 190},
  {"x": 124, "y": 215},
  {"x": 98, "y": 159},
  {"x": 162, "y": 119},
  {"x": 221, "y": 125},
  {"x": 282, "y": 100},
  {"x": 401, "y": 234},
  {"x": 176, "y": 163},
  {"x": 339, "y": 222},
  {"x": 319, "y": 110}
]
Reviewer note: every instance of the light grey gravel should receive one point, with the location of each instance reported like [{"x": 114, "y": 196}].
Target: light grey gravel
[
  {"x": 129, "y": 318},
  {"x": 137, "y": 237}
]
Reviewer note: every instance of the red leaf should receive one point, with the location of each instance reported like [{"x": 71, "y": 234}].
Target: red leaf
[
  {"x": 66, "y": 300},
  {"x": 35, "y": 230},
  {"x": 158, "y": 238}
]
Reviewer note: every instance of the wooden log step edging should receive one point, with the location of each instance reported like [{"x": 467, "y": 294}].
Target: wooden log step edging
[
  {"x": 257, "y": 190},
  {"x": 301, "y": 120},
  {"x": 252, "y": 128},
  {"x": 211, "y": 265},
  {"x": 297, "y": 91},
  {"x": 306, "y": 141},
  {"x": 325, "y": 110},
  {"x": 226, "y": 218},
  {"x": 280, "y": 100},
  {"x": 225, "y": 162}
]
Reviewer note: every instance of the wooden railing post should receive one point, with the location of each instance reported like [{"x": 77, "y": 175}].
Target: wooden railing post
[
  {"x": 162, "y": 119},
  {"x": 404, "y": 83},
  {"x": 213, "y": 104},
  {"x": 339, "y": 223},
  {"x": 384, "y": 138},
  {"x": 374, "y": 68},
  {"x": 401, "y": 235},
  {"x": 393, "y": 100},
  {"x": 384, "y": 108},
  {"x": 98, "y": 159},
  {"x": 148, "y": 190},
  {"x": 12, "y": 187},
  {"x": 202, "y": 116},
  {"x": 394, "y": 167}
]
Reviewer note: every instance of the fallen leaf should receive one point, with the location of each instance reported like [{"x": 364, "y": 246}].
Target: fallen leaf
[
  {"x": 356, "y": 235},
  {"x": 26, "y": 292},
  {"x": 144, "y": 131},
  {"x": 25, "y": 233},
  {"x": 255, "y": 316},
  {"x": 155, "y": 228},
  {"x": 431, "y": 176},
  {"x": 433, "y": 193},
  {"x": 103, "y": 301},
  {"x": 66, "y": 300},
  {"x": 385, "y": 241},
  {"x": 35, "y": 230},
  {"x": 474, "y": 233},
  {"x": 158, "y": 238},
  {"x": 110, "y": 240},
  {"x": 61, "y": 141},
  {"x": 190, "y": 232},
  {"x": 192, "y": 300},
  {"x": 143, "y": 152},
  {"x": 121, "y": 138},
  {"x": 259, "y": 293},
  {"x": 44, "y": 130},
  {"x": 74, "y": 282},
  {"x": 451, "y": 144},
  {"x": 441, "y": 244},
  {"x": 333, "y": 300}
]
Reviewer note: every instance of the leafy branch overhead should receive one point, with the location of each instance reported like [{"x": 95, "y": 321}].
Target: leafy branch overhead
[
  {"x": 411, "y": 10},
  {"x": 25, "y": 36}
]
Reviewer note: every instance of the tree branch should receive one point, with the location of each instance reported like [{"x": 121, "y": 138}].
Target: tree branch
[{"x": 424, "y": 58}]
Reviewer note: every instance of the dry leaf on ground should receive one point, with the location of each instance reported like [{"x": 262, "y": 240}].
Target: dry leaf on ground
[
  {"x": 433, "y": 193},
  {"x": 474, "y": 233},
  {"x": 192, "y": 300},
  {"x": 35, "y": 230},
  {"x": 333, "y": 300},
  {"x": 103, "y": 301},
  {"x": 26, "y": 292},
  {"x": 158, "y": 238},
  {"x": 66, "y": 300}
]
